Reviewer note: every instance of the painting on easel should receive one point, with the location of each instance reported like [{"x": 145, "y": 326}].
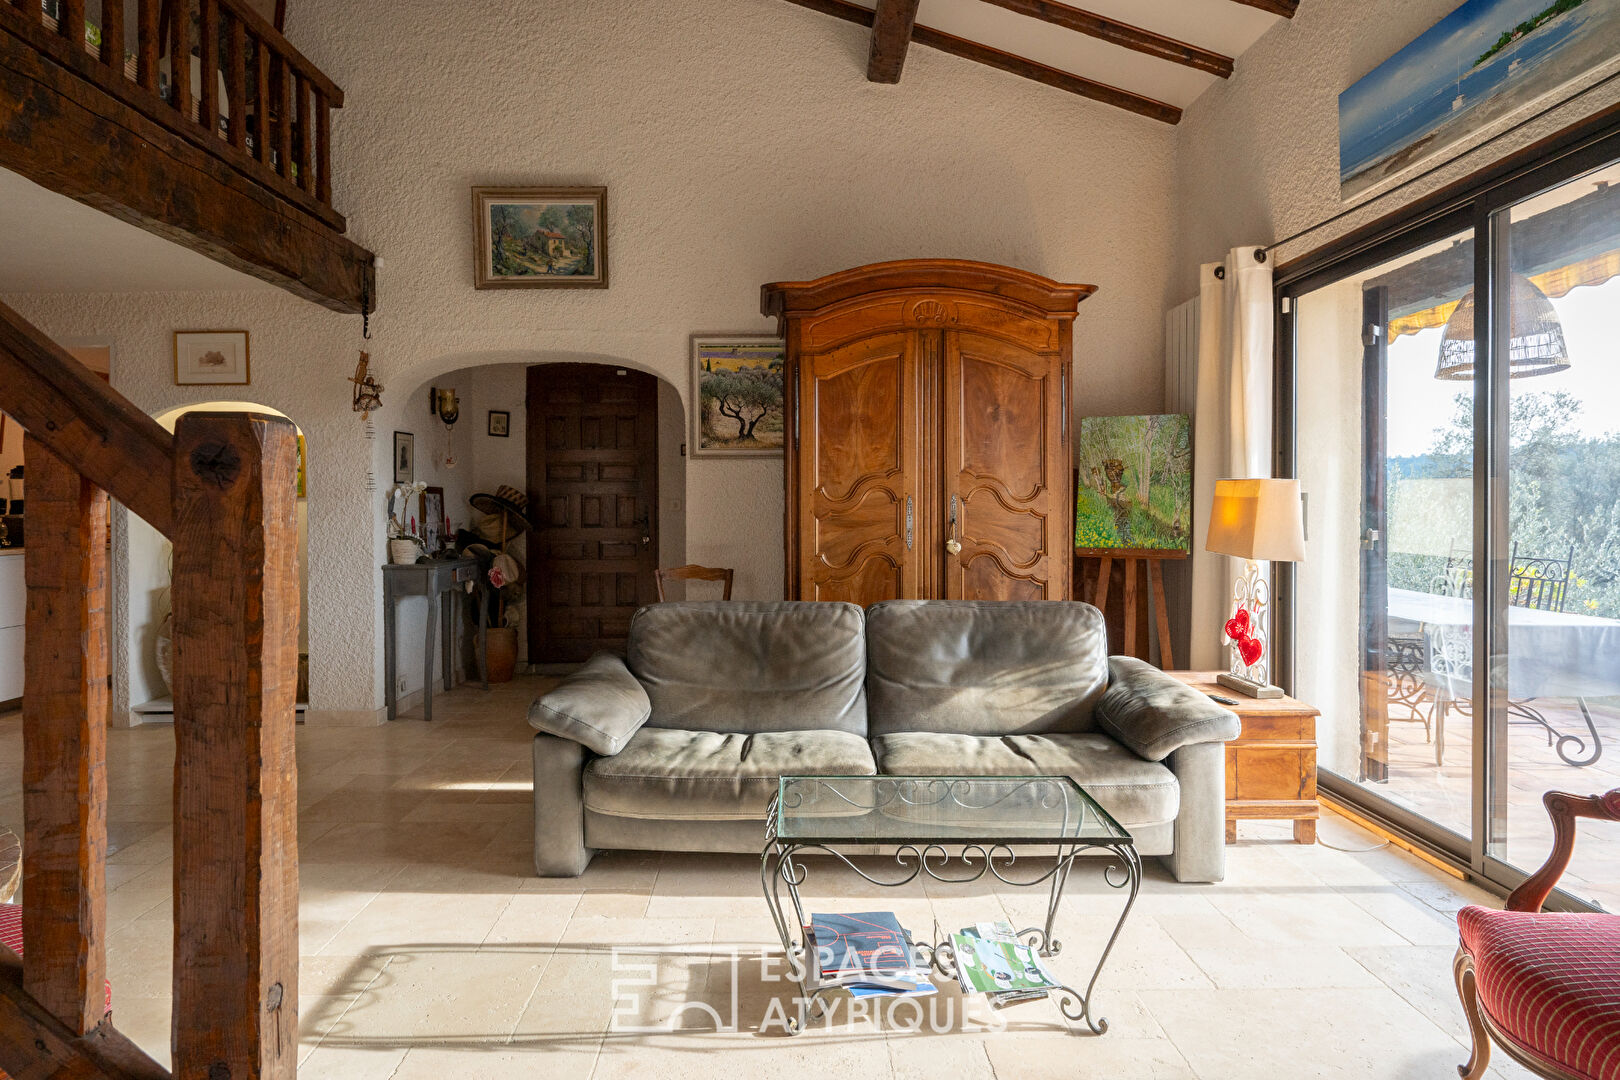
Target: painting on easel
[{"x": 1135, "y": 486}]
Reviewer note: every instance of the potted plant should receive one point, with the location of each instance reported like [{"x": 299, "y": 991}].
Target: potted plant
[{"x": 404, "y": 544}]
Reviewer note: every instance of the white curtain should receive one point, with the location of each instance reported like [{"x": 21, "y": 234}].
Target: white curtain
[{"x": 1232, "y": 426}]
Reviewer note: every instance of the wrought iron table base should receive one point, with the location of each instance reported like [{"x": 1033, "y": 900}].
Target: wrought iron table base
[{"x": 781, "y": 866}]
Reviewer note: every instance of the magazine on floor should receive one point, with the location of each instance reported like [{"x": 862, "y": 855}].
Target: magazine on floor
[
  {"x": 991, "y": 960},
  {"x": 867, "y": 953}
]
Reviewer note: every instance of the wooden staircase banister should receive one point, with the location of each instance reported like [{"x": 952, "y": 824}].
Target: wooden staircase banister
[
  {"x": 223, "y": 489},
  {"x": 79, "y": 418}
]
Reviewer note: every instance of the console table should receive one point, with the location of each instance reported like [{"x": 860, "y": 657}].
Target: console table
[
  {"x": 439, "y": 581},
  {"x": 1271, "y": 765}
]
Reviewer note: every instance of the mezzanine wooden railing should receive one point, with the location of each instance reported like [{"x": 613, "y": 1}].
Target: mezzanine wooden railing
[
  {"x": 258, "y": 103},
  {"x": 222, "y": 489}
]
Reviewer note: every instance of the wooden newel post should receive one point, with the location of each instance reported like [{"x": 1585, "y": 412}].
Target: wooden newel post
[
  {"x": 235, "y": 785},
  {"x": 65, "y": 742}
]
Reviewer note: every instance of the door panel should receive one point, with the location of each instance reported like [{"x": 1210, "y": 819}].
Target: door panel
[
  {"x": 858, "y": 462},
  {"x": 593, "y": 479},
  {"x": 1006, "y": 471}
]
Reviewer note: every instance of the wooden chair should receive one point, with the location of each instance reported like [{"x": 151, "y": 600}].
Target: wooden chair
[
  {"x": 694, "y": 572},
  {"x": 1544, "y": 986}
]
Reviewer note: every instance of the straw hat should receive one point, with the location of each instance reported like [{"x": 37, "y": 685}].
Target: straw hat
[{"x": 506, "y": 500}]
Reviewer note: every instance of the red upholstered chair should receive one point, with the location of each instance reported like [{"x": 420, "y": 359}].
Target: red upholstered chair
[{"x": 1544, "y": 985}]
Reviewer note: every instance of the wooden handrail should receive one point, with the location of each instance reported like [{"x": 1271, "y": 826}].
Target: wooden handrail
[
  {"x": 82, "y": 420},
  {"x": 224, "y": 490},
  {"x": 234, "y": 44}
]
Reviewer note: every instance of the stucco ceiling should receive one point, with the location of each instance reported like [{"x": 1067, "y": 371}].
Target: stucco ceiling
[
  {"x": 51, "y": 243},
  {"x": 1223, "y": 26}
]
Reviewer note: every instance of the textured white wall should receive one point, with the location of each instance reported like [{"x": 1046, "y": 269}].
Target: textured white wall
[
  {"x": 740, "y": 143},
  {"x": 1258, "y": 155}
]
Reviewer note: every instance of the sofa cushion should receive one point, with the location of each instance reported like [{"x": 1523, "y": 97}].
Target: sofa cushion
[
  {"x": 1154, "y": 713},
  {"x": 715, "y": 776},
  {"x": 733, "y": 666},
  {"x": 1135, "y": 792},
  {"x": 598, "y": 706},
  {"x": 989, "y": 668}
]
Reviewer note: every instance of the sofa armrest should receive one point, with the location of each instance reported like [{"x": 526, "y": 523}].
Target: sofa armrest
[
  {"x": 1156, "y": 714},
  {"x": 599, "y": 706}
]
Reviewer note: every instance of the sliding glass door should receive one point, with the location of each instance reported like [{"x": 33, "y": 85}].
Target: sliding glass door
[{"x": 1452, "y": 410}]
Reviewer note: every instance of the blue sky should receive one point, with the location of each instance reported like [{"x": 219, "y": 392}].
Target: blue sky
[{"x": 1429, "y": 63}]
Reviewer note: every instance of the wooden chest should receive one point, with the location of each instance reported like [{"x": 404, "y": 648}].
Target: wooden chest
[{"x": 1271, "y": 766}]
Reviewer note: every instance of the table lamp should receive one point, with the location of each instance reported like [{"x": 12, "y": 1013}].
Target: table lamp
[{"x": 1255, "y": 520}]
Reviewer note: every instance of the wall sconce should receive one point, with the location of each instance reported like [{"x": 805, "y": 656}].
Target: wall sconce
[{"x": 444, "y": 404}]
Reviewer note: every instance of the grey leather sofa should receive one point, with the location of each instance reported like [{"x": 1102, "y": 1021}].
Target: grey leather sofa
[{"x": 679, "y": 746}]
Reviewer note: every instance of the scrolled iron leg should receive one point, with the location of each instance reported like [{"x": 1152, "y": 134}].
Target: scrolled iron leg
[
  {"x": 1580, "y": 744},
  {"x": 1133, "y": 879}
]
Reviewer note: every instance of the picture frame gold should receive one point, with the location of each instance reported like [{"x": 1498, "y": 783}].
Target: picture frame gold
[{"x": 540, "y": 238}]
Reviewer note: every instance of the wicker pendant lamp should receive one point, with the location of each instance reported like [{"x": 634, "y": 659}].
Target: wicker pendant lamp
[{"x": 1536, "y": 345}]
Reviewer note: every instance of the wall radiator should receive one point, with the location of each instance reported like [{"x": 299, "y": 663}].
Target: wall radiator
[{"x": 1181, "y": 396}]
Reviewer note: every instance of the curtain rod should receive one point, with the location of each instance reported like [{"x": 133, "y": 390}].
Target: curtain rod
[{"x": 1261, "y": 252}]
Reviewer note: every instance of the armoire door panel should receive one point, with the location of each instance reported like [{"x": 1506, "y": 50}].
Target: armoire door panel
[
  {"x": 1006, "y": 461},
  {"x": 857, "y": 459}
]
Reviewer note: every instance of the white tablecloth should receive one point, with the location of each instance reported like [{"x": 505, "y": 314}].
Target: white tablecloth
[{"x": 1550, "y": 653}]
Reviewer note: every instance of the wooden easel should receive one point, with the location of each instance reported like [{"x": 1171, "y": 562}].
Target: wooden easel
[{"x": 1093, "y": 583}]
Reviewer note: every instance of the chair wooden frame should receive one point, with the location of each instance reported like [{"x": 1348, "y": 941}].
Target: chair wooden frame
[
  {"x": 694, "y": 572},
  {"x": 1563, "y": 809}
]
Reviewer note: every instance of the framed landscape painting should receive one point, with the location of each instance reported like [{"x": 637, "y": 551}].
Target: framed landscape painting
[
  {"x": 737, "y": 396},
  {"x": 1468, "y": 78},
  {"x": 1135, "y": 486},
  {"x": 540, "y": 238}
]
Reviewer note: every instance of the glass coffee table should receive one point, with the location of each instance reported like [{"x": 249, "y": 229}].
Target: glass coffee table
[{"x": 953, "y": 829}]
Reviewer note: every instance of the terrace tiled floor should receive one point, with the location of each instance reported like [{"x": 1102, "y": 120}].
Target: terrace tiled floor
[
  {"x": 430, "y": 949},
  {"x": 1443, "y": 793}
]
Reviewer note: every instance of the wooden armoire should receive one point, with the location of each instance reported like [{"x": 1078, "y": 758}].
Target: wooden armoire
[{"x": 928, "y": 438}]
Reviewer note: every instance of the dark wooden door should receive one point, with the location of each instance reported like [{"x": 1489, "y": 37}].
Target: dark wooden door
[
  {"x": 1008, "y": 503},
  {"x": 593, "y": 492},
  {"x": 859, "y": 467}
]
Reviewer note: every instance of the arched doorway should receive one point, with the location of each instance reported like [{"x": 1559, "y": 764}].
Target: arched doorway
[
  {"x": 147, "y": 565},
  {"x": 485, "y": 459}
]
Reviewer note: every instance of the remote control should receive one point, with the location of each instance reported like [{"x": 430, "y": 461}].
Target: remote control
[{"x": 1223, "y": 700}]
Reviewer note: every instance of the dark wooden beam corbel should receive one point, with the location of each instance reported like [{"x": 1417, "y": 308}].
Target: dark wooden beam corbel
[
  {"x": 1118, "y": 33},
  {"x": 891, "y": 34}
]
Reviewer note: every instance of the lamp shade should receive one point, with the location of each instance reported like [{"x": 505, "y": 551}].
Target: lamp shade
[
  {"x": 1536, "y": 338},
  {"x": 1257, "y": 519}
]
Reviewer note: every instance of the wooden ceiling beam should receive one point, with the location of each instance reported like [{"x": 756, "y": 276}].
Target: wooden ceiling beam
[
  {"x": 1008, "y": 62},
  {"x": 1117, "y": 33},
  {"x": 1285, "y": 8},
  {"x": 891, "y": 34}
]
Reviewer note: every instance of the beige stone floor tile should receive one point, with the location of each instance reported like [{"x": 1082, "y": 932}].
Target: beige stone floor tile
[
  {"x": 617, "y": 904},
  {"x": 925, "y": 1056},
  {"x": 394, "y": 921},
  {"x": 535, "y": 918},
  {"x": 1298, "y": 967},
  {"x": 1341, "y": 1033},
  {"x": 332, "y": 1060},
  {"x": 447, "y": 994},
  {"x": 145, "y": 1021},
  {"x": 1285, "y": 915},
  {"x": 1397, "y": 908},
  {"x": 1064, "y": 1057},
  {"x": 559, "y": 1060}
]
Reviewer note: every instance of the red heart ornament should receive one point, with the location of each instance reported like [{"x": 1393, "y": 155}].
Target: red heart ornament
[
  {"x": 1241, "y": 617},
  {"x": 1234, "y": 630},
  {"x": 1250, "y": 649}
]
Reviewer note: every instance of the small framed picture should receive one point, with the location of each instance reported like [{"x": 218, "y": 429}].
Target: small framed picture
[
  {"x": 432, "y": 526},
  {"x": 500, "y": 423},
  {"x": 737, "y": 396},
  {"x": 404, "y": 457},
  {"x": 211, "y": 358},
  {"x": 540, "y": 238}
]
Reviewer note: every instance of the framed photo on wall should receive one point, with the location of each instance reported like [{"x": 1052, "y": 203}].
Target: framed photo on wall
[
  {"x": 540, "y": 238},
  {"x": 737, "y": 396},
  {"x": 500, "y": 423},
  {"x": 404, "y": 457},
  {"x": 211, "y": 358}
]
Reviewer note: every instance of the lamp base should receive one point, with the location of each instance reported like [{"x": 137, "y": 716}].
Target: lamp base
[{"x": 1248, "y": 686}]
